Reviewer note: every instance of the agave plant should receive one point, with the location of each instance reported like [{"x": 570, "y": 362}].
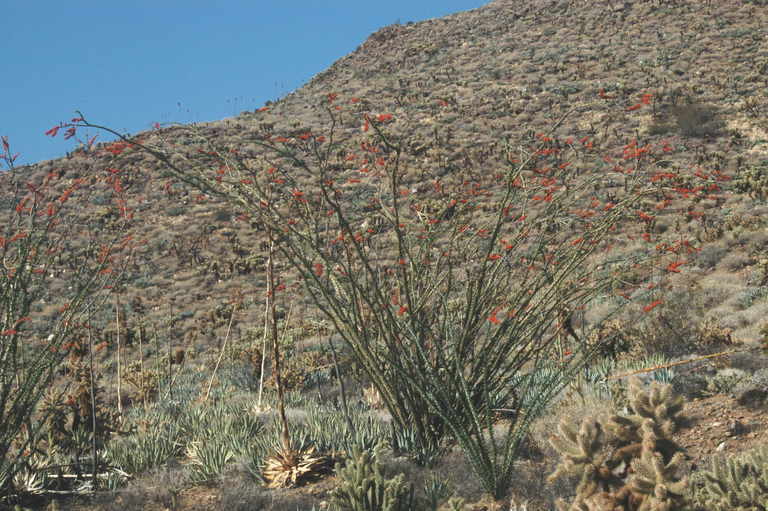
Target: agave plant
[
  {"x": 142, "y": 451},
  {"x": 209, "y": 459},
  {"x": 289, "y": 468}
]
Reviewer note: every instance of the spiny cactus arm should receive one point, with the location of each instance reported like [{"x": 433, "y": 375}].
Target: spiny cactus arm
[
  {"x": 624, "y": 429},
  {"x": 664, "y": 405},
  {"x": 603, "y": 501},
  {"x": 658, "y": 404},
  {"x": 578, "y": 450},
  {"x": 655, "y": 483},
  {"x": 576, "y": 505},
  {"x": 626, "y": 454}
]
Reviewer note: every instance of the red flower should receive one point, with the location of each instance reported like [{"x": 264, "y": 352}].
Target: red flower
[
  {"x": 492, "y": 318},
  {"x": 493, "y": 257},
  {"x": 644, "y": 216},
  {"x": 651, "y": 306},
  {"x": 634, "y": 107},
  {"x": 319, "y": 269},
  {"x": 385, "y": 117},
  {"x": 10, "y": 331},
  {"x": 647, "y": 99},
  {"x": 673, "y": 266},
  {"x": 19, "y": 235},
  {"x": 69, "y": 133},
  {"x": 53, "y": 131},
  {"x": 402, "y": 310}
]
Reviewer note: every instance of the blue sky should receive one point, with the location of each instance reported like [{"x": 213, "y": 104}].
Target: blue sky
[{"x": 130, "y": 64}]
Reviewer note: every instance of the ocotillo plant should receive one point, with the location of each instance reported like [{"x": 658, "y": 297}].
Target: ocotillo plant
[
  {"x": 449, "y": 304},
  {"x": 38, "y": 219}
]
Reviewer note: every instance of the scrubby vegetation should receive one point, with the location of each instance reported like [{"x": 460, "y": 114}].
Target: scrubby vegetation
[{"x": 374, "y": 295}]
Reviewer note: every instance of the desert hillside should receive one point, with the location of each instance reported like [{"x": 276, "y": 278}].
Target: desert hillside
[{"x": 672, "y": 93}]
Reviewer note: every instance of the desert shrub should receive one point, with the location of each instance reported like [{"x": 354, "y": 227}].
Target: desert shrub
[
  {"x": 725, "y": 381},
  {"x": 747, "y": 297},
  {"x": 222, "y": 215},
  {"x": 736, "y": 261},
  {"x": 175, "y": 211},
  {"x": 696, "y": 120},
  {"x": 450, "y": 322},
  {"x": 710, "y": 256}
]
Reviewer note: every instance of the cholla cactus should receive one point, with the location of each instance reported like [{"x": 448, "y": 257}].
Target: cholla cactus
[
  {"x": 364, "y": 488},
  {"x": 753, "y": 181},
  {"x": 738, "y": 483},
  {"x": 659, "y": 405},
  {"x": 629, "y": 462}
]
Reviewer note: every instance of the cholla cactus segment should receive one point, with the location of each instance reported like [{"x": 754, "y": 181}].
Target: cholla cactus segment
[
  {"x": 577, "y": 448},
  {"x": 583, "y": 455},
  {"x": 659, "y": 404}
]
